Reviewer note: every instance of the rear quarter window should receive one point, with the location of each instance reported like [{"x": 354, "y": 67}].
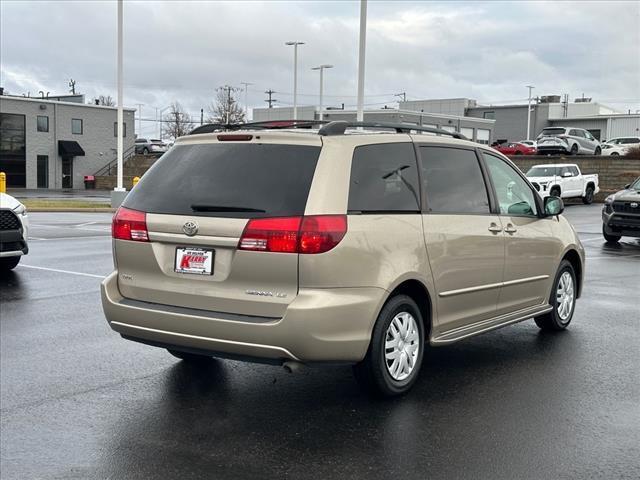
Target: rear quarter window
[{"x": 247, "y": 180}]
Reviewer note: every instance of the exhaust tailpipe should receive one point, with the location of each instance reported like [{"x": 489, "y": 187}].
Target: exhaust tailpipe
[{"x": 291, "y": 366}]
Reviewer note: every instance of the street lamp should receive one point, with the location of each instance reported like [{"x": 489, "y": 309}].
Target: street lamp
[
  {"x": 530, "y": 87},
  {"x": 295, "y": 76},
  {"x": 246, "y": 102},
  {"x": 321, "y": 68}
]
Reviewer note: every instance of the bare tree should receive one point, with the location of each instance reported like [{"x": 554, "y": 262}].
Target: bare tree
[
  {"x": 225, "y": 108},
  {"x": 105, "y": 100},
  {"x": 177, "y": 122}
]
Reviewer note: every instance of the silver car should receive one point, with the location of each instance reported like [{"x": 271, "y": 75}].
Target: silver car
[
  {"x": 567, "y": 140},
  {"x": 150, "y": 147}
]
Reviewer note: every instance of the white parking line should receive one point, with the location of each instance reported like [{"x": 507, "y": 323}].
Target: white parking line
[{"x": 62, "y": 271}]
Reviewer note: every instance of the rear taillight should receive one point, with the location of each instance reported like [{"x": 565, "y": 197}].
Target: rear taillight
[
  {"x": 309, "y": 235},
  {"x": 130, "y": 225}
]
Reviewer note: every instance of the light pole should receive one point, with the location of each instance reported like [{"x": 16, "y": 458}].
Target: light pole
[
  {"x": 295, "y": 76},
  {"x": 246, "y": 103},
  {"x": 530, "y": 87},
  {"x": 159, "y": 120},
  {"x": 321, "y": 68},
  {"x": 361, "y": 55},
  {"x": 120, "y": 115}
]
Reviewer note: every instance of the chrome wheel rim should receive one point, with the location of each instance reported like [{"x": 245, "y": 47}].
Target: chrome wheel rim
[
  {"x": 401, "y": 346},
  {"x": 565, "y": 296}
]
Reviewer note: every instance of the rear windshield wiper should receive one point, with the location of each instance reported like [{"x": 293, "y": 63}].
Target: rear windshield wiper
[{"x": 223, "y": 208}]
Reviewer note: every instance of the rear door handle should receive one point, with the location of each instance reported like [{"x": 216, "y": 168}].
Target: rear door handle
[
  {"x": 493, "y": 228},
  {"x": 510, "y": 228}
]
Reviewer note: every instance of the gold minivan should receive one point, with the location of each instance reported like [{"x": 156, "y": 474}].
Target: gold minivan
[{"x": 336, "y": 245}]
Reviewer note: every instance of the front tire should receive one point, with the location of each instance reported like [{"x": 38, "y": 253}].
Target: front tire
[
  {"x": 145, "y": 151},
  {"x": 574, "y": 149},
  {"x": 609, "y": 238},
  {"x": 563, "y": 300},
  {"x": 555, "y": 192},
  {"x": 588, "y": 196},
  {"x": 395, "y": 353},
  {"x": 598, "y": 151},
  {"x": 9, "y": 263}
]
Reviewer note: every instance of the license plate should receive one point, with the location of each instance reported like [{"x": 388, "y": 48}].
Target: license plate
[{"x": 197, "y": 261}]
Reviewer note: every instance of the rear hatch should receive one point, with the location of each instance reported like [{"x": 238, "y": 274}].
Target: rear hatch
[{"x": 196, "y": 202}]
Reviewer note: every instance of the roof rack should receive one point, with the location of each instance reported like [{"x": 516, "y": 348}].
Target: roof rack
[
  {"x": 339, "y": 127},
  {"x": 264, "y": 125},
  {"x": 327, "y": 128}
]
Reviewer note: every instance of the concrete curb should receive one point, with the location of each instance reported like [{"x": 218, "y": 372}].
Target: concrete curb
[{"x": 77, "y": 210}]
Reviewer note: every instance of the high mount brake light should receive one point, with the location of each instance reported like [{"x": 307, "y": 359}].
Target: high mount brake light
[
  {"x": 234, "y": 138},
  {"x": 130, "y": 225},
  {"x": 309, "y": 234}
]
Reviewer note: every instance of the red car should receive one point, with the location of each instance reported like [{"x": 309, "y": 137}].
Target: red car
[{"x": 515, "y": 149}]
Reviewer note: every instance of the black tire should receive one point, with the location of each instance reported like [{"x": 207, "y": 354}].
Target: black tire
[
  {"x": 518, "y": 152},
  {"x": 574, "y": 149},
  {"x": 555, "y": 192},
  {"x": 588, "y": 196},
  {"x": 9, "y": 263},
  {"x": 145, "y": 151},
  {"x": 552, "y": 321},
  {"x": 598, "y": 151},
  {"x": 189, "y": 357},
  {"x": 615, "y": 154},
  {"x": 373, "y": 373},
  {"x": 609, "y": 238}
]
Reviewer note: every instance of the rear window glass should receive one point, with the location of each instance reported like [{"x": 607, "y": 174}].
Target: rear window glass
[
  {"x": 384, "y": 178},
  {"x": 552, "y": 132},
  {"x": 228, "y": 180}
]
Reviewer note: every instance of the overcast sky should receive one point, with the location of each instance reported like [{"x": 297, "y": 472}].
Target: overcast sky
[{"x": 184, "y": 50}]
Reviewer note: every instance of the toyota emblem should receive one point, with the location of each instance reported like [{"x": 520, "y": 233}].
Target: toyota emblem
[
  {"x": 634, "y": 205},
  {"x": 190, "y": 228}
]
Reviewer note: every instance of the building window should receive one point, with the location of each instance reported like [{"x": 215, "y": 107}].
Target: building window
[
  {"x": 449, "y": 128},
  {"x": 43, "y": 123},
  {"x": 12, "y": 149},
  {"x": 483, "y": 136},
  {"x": 115, "y": 129},
  {"x": 489, "y": 115},
  {"x": 43, "y": 171},
  {"x": 76, "y": 126},
  {"x": 467, "y": 132}
]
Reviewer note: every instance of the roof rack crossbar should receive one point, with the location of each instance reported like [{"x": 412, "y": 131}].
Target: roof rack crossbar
[{"x": 339, "y": 127}]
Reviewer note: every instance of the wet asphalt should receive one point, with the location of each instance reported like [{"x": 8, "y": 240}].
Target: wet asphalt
[{"x": 79, "y": 402}]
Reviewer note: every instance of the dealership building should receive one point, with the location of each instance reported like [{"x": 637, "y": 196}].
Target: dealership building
[{"x": 54, "y": 142}]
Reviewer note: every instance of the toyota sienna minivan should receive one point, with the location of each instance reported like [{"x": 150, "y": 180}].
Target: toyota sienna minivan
[{"x": 336, "y": 245}]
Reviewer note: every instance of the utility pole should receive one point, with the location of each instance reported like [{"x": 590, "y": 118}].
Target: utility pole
[
  {"x": 361, "y": 56},
  {"x": 530, "y": 87},
  {"x": 403, "y": 95},
  {"x": 72, "y": 86},
  {"x": 270, "y": 101},
  {"x": 246, "y": 102},
  {"x": 139, "y": 105},
  {"x": 201, "y": 116},
  {"x": 321, "y": 68},
  {"x": 295, "y": 76},
  {"x": 228, "y": 89}
]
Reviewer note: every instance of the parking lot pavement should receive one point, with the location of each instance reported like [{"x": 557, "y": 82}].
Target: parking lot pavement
[{"x": 77, "y": 401}]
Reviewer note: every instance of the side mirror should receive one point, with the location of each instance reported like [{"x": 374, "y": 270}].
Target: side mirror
[
  {"x": 567, "y": 174},
  {"x": 627, "y": 186},
  {"x": 553, "y": 206}
]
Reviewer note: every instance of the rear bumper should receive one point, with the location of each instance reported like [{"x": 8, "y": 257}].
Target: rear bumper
[
  {"x": 320, "y": 325},
  {"x": 552, "y": 149}
]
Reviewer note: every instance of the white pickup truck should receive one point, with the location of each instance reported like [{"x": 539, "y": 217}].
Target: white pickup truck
[{"x": 563, "y": 180}]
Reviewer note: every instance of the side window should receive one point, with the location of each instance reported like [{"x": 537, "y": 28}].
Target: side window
[
  {"x": 574, "y": 170},
  {"x": 453, "y": 181},
  {"x": 515, "y": 197},
  {"x": 384, "y": 178},
  {"x": 564, "y": 170},
  {"x": 580, "y": 133}
]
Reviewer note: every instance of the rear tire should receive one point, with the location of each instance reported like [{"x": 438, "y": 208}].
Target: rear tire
[
  {"x": 395, "y": 352},
  {"x": 574, "y": 149},
  {"x": 563, "y": 300},
  {"x": 615, "y": 154},
  {"x": 588, "y": 196},
  {"x": 555, "y": 192},
  {"x": 189, "y": 357},
  {"x": 145, "y": 151},
  {"x": 9, "y": 263},
  {"x": 609, "y": 238},
  {"x": 598, "y": 151}
]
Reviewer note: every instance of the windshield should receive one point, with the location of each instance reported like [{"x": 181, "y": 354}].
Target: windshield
[
  {"x": 542, "y": 172},
  {"x": 551, "y": 132},
  {"x": 635, "y": 185},
  {"x": 228, "y": 180}
]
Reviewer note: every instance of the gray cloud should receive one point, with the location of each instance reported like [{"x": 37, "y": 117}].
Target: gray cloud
[{"x": 184, "y": 50}]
